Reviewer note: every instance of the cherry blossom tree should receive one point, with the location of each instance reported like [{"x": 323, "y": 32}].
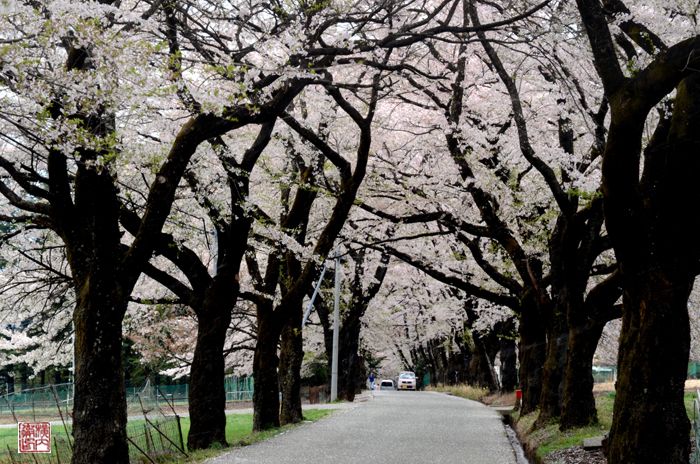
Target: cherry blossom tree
[
  {"x": 75, "y": 97},
  {"x": 649, "y": 226}
]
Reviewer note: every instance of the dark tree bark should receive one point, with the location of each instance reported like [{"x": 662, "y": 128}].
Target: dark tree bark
[
  {"x": 531, "y": 353},
  {"x": 350, "y": 374},
  {"x": 295, "y": 216},
  {"x": 578, "y": 408},
  {"x": 553, "y": 374},
  {"x": 103, "y": 277},
  {"x": 572, "y": 252},
  {"x": 586, "y": 324},
  {"x": 266, "y": 402},
  {"x": 653, "y": 366},
  {"x": 207, "y": 394},
  {"x": 485, "y": 349},
  {"x": 481, "y": 366},
  {"x": 350, "y": 379},
  {"x": 99, "y": 410},
  {"x": 82, "y": 208},
  {"x": 207, "y": 397},
  {"x": 104, "y": 273},
  {"x": 509, "y": 361},
  {"x": 291, "y": 357}
]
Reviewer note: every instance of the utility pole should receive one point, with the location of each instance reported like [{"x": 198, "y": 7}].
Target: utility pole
[{"x": 336, "y": 330}]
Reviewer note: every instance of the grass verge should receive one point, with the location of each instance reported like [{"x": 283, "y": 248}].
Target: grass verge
[
  {"x": 239, "y": 432},
  {"x": 549, "y": 438}
]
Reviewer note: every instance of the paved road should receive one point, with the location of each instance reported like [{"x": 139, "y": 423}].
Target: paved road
[{"x": 394, "y": 427}]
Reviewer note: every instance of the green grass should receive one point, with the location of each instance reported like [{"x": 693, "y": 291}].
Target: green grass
[
  {"x": 239, "y": 427},
  {"x": 688, "y": 399},
  {"x": 8, "y": 437},
  {"x": 549, "y": 438},
  {"x": 239, "y": 432}
]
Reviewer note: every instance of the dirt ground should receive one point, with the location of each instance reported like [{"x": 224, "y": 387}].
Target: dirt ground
[
  {"x": 575, "y": 455},
  {"x": 499, "y": 399}
]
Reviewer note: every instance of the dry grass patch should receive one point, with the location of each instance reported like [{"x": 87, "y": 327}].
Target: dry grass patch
[{"x": 469, "y": 392}]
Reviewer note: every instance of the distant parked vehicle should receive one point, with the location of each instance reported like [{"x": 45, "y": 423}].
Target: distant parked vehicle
[
  {"x": 406, "y": 381},
  {"x": 387, "y": 384}
]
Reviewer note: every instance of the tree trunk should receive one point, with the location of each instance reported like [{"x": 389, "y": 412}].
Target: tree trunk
[
  {"x": 531, "y": 351},
  {"x": 509, "y": 365},
  {"x": 291, "y": 357},
  {"x": 99, "y": 411},
  {"x": 22, "y": 375},
  {"x": 553, "y": 374},
  {"x": 349, "y": 376},
  {"x": 207, "y": 395},
  {"x": 482, "y": 363},
  {"x": 266, "y": 402},
  {"x": 650, "y": 424},
  {"x": 578, "y": 408},
  {"x": 655, "y": 241}
]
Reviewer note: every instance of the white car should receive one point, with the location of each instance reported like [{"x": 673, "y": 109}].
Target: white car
[
  {"x": 406, "y": 381},
  {"x": 386, "y": 384}
]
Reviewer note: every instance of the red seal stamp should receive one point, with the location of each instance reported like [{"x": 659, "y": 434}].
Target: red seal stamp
[{"x": 34, "y": 437}]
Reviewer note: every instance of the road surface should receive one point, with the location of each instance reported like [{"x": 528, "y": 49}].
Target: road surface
[{"x": 393, "y": 427}]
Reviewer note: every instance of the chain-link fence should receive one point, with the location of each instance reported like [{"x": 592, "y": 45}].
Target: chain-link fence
[
  {"x": 43, "y": 404},
  {"x": 239, "y": 388},
  {"x": 157, "y": 432},
  {"x": 153, "y": 430}
]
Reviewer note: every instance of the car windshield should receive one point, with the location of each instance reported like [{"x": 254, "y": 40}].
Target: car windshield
[
  {"x": 407, "y": 376},
  {"x": 387, "y": 383}
]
